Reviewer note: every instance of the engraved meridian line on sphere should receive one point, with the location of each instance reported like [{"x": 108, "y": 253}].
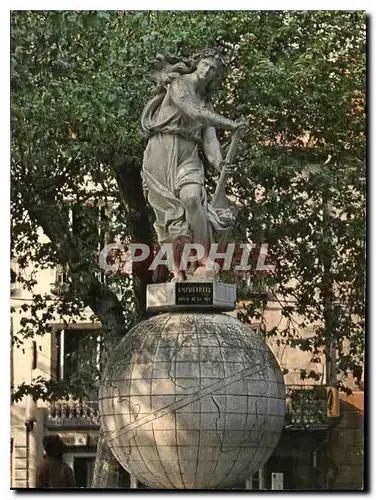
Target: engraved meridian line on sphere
[{"x": 191, "y": 398}]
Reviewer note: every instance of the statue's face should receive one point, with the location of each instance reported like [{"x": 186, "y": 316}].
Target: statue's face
[{"x": 207, "y": 69}]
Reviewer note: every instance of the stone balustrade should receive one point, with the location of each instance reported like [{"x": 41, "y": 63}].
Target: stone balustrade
[
  {"x": 306, "y": 408},
  {"x": 72, "y": 414}
]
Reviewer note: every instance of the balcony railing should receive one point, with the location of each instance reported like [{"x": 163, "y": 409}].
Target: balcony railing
[
  {"x": 306, "y": 410},
  {"x": 72, "y": 414},
  {"x": 58, "y": 288},
  {"x": 306, "y": 407}
]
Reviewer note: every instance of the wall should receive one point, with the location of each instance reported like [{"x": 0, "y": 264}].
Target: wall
[
  {"x": 346, "y": 444},
  {"x": 22, "y": 372}
]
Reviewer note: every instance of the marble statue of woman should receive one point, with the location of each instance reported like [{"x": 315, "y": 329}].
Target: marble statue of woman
[{"x": 179, "y": 120}]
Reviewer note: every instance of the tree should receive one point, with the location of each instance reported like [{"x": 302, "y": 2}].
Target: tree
[{"x": 77, "y": 92}]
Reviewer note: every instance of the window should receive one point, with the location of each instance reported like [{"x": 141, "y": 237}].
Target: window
[
  {"x": 91, "y": 224},
  {"x": 78, "y": 354},
  {"x": 61, "y": 275},
  {"x": 83, "y": 467},
  {"x": 254, "y": 483},
  {"x": 83, "y": 471},
  {"x": 15, "y": 285},
  {"x": 61, "y": 282}
]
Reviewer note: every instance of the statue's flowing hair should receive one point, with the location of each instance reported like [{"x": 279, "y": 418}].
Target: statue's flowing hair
[{"x": 166, "y": 67}]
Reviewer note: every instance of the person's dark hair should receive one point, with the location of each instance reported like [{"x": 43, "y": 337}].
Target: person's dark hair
[{"x": 54, "y": 446}]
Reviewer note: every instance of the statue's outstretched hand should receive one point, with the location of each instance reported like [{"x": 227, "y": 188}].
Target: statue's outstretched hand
[{"x": 241, "y": 123}]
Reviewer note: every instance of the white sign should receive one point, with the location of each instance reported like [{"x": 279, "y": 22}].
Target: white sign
[
  {"x": 277, "y": 480},
  {"x": 73, "y": 438}
]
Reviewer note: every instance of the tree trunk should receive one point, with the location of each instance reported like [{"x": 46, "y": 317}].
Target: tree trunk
[
  {"x": 139, "y": 223},
  {"x": 108, "y": 473}
]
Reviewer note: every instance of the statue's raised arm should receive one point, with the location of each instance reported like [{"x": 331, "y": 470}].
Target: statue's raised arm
[{"x": 184, "y": 94}]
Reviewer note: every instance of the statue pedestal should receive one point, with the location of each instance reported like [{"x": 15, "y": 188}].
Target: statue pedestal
[{"x": 194, "y": 295}]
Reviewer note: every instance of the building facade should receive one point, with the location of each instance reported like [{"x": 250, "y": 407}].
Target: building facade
[{"x": 316, "y": 451}]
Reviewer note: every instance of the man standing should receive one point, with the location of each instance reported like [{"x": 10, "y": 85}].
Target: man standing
[{"x": 53, "y": 472}]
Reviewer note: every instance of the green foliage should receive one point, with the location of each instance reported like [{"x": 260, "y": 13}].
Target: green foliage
[
  {"x": 77, "y": 93},
  {"x": 48, "y": 390}
]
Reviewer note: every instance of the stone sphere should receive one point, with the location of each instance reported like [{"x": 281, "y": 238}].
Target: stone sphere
[{"x": 192, "y": 400}]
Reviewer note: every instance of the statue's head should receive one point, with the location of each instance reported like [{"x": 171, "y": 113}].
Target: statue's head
[{"x": 210, "y": 66}]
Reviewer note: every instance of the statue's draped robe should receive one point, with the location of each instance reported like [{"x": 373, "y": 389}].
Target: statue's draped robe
[{"x": 171, "y": 160}]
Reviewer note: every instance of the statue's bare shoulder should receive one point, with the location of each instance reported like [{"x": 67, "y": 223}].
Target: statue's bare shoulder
[{"x": 183, "y": 92}]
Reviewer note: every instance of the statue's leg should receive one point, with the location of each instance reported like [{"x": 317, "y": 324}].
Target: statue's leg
[
  {"x": 177, "y": 248},
  {"x": 191, "y": 199}
]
